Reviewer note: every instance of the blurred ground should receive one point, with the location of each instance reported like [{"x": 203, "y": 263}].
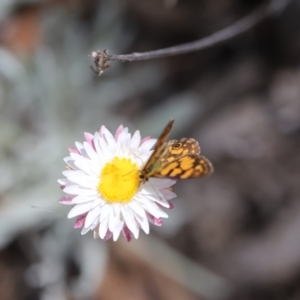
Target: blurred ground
[{"x": 234, "y": 235}]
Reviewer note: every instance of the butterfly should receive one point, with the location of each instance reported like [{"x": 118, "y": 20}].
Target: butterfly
[{"x": 176, "y": 159}]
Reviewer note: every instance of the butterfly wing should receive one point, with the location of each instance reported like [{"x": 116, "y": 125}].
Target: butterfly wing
[
  {"x": 177, "y": 148},
  {"x": 152, "y": 162},
  {"x": 186, "y": 166}
]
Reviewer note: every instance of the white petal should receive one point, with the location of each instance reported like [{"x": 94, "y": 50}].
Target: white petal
[
  {"x": 81, "y": 178},
  {"x": 107, "y": 152},
  {"x": 103, "y": 227},
  {"x": 159, "y": 198},
  {"x": 130, "y": 221},
  {"x": 123, "y": 136},
  {"x": 79, "y": 209},
  {"x": 125, "y": 146},
  {"x": 92, "y": 216},
  {"x": 113, "y": 220},
  {"x": 140, "y": 216},
  {"x": 84, "y": 164},
  {"x": 105, "y": 212},
  {"x": 79, "y": 147},
  {"x": 80, "y": 199},
  {"x": 144, "y": 224},
  {"x": 117, "y": 230},
  {"x": 97, "y": 145},
  {"x": 143, "y": 158},
  {"x": 87, "y": 229},
  {"x": 168, "y": 195},
  {"x": 137, "y": 208},
  {"x": 135, "y": 140},
  {"x": 153, "y": 209},
  {"x": 146, "y": 146},
  {"x": 64, "y": 181},
  {"x": 111, "y": 142},
  {"x": 160, "y": 183},
  {"x": 70, "y": 162},
  {"x": 155, "y": 195},
  {"x": 91, "y": 153},
  {"x": 77, "y": 190}
]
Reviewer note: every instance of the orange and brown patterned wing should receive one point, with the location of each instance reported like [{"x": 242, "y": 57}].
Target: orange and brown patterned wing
[
  {"x": 177, "y": 148},
  {"x": 181, "y": 159},
  {"x": 187, "y": 166}
]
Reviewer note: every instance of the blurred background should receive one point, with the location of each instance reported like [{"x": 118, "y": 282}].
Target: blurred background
[{"x": 234, "y": 235}]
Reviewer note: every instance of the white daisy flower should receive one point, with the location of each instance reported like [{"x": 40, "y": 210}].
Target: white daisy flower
[{"x": 103, "y": 181}]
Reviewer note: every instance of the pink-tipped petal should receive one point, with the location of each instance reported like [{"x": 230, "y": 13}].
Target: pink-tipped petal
[
  {"x": 127, "y": 234},
  {"x": 168, "y": 194},
  {"x": 118, "y": 131},
  {"x": 66, "y": 199},
  {"x": 153, "y": 220},
  {"x": 171, "y": 205},
  {"x": 145, "y": 139},
  {"x": 80, "y": 221},
  {"x": 108, "y": 235},
  {"x": 101, "y": 130},
  {"x": 89, "y": 138},
  {"x": 73, "y": 150}
]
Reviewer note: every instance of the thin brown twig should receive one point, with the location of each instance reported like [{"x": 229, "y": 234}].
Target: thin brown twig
[{"x": 274, "y": 7}]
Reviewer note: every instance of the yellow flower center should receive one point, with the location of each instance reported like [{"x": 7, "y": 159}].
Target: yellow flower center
[{"x": 119, "y": 180}]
